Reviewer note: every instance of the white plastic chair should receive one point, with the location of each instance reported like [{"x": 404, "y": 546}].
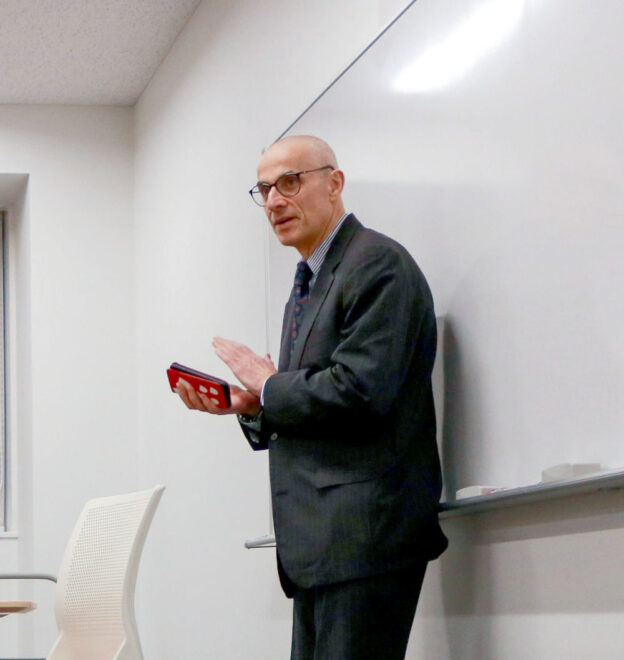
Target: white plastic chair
[
  {"x": 94, "y": 601},
  {"x": 95, "y": 592}
]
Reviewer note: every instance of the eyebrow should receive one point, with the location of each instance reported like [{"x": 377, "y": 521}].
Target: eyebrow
[{"x": 266, "y": 183}]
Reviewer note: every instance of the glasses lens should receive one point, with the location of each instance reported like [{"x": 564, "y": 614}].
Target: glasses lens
[
  {"x": 260, "y": 193},
  {"x": 288, "y": 184}
]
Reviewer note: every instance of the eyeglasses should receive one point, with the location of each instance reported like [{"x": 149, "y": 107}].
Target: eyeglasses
[{"x": 288, "y": 185}]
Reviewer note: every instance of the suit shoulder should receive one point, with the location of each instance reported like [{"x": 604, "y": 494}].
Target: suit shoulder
[
  {"x": 372, "y": 254},
  {"x": 370, "y": 245}
]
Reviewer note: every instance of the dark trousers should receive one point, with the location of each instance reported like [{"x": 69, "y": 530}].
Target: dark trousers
[{"x": 365, "y": 619}]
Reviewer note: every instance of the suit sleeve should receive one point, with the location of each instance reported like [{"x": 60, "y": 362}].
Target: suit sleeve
[
  {"x": 382, "y": 305},
  {"x": 253, "y": 431}
]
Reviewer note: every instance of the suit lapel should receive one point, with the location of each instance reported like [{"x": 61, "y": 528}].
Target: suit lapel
[
  {"x": 319, "y": 291},
  {"x": 284, "y": 356}
]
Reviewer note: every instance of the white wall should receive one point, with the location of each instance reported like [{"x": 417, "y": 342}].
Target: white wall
[
  {"x": 73, "y": 391},
  {"x": 538, "y": 581}
]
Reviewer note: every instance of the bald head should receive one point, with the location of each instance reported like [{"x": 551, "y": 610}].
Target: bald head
[
  {"x": 311, "y": 145},
  {"x": 303, "y": 218}
]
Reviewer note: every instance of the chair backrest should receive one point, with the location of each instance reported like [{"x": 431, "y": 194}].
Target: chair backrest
[{"x": 97, "y": 578}]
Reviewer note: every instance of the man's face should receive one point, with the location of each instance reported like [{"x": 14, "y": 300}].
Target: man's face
[{"x": 302, "y": 221}]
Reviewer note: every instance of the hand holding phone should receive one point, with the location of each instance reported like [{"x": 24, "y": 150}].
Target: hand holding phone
[{"x": 217, "y": 390}]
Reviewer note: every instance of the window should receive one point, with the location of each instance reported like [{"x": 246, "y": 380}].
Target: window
[{"x": 3, "y": 376}]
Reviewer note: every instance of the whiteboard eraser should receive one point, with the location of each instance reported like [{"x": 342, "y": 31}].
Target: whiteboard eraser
[
  {"x": 476, "y": 491},
  {"x": 569, "y": 471}
]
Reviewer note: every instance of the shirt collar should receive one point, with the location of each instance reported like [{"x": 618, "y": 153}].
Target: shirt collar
[{"x": 318, "y": 256}]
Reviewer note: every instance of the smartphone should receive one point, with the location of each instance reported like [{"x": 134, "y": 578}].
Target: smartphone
[{"x": 216, "y": 389}]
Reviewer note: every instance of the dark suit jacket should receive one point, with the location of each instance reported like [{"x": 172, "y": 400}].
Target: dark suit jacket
[{"x": 349, "y": 419}]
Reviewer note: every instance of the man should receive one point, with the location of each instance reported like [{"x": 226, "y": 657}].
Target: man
[{"x": 348, "y": 418}]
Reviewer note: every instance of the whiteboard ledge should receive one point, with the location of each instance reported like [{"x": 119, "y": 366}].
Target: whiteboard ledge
[
  {"x": 267, "y": 541},
  {"x": 611, "y": 480}
]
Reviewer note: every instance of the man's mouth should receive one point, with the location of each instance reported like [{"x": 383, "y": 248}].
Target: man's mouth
[{"x": 282, "y": 221}]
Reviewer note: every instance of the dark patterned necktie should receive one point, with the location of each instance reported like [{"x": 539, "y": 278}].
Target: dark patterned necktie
[{"x": 301, "y": 292}]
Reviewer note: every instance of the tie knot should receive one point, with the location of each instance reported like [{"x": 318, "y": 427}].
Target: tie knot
[
  {"x": 303, "y": 274},
  {"x": 302, "y": 279}
]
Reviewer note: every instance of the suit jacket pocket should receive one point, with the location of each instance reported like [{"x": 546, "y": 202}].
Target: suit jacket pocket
[{"x": 337, "y": 475}]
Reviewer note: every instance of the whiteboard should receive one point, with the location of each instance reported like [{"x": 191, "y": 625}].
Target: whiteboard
[{"x": 505, "y": 180}]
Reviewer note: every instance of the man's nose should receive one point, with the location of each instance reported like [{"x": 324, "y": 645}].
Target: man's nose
[{"x": 275, "y": 199}]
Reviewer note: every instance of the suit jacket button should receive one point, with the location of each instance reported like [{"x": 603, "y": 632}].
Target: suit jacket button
[{"x": 274, "y": 436}]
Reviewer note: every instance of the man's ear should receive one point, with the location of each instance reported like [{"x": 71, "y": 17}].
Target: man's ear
[{"x": 336, "y": 183}]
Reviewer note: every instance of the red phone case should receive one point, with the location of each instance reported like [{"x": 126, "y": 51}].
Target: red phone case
[{"x": 214, "y": 388}]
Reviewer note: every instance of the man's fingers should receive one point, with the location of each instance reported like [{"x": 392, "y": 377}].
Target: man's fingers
[
  {"x": 249, "y": 368},
  {"x": 209, "y": 405},
  {"x": 192, "y": 399},
  {"x": 230, "y": 351},
  {"x": 182, "y": 389}
]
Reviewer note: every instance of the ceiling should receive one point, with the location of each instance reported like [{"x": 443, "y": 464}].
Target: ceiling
[{"x": 100, "y": 52}]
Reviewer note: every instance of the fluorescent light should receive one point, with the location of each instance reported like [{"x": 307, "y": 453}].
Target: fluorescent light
[{"x": 449, "y": 59}]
